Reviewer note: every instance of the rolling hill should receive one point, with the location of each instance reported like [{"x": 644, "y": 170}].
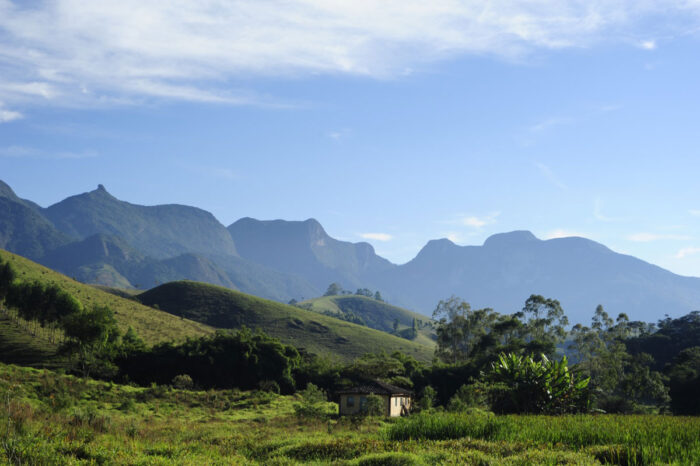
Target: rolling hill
[
  {"x": 152, "y": 325},
  {"x": 320, "y": 334},
  {"x": 375, "y": 314}
]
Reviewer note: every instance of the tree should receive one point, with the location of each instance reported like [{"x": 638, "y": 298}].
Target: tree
[
  {"x": 545, "y": 324},
  {"x": 91, "y": 337},
  {"x": 460, "y": 330},
  {"x": 378, "y": 296},
  {"x": 333, "y": 290},
  {"x": 7, "y": 278},
  {"x": 685, "y": 380}
]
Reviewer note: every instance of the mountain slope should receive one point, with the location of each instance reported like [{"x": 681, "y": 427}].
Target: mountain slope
[
  {"x": 580, "y": 273},
  {"x": 305, "y": 249},
  {"x": 22, "y": 227},
  {"x": 157, "y": 231},
  {"x": 316, "y": 333},
  {"x": 152, "y": 325}
]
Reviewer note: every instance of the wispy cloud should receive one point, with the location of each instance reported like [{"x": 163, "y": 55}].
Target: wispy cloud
[
  {"x": 549, "y": 123},
  {"x": 549, "y": 174},
  {"x": 338, "y": 134},
  {"x": 34, "y": 153},
  {"x": 9, "y": 115},
  {"x": 377, "y": 236},
  {"x": 694, "y": 212},
  {"x": 562, "y": 233},
  {"x": 105, "y": 52},
  {"x": 685, "y": 252},
  {"x": 479, "y": 221},
  {"x": 649, "y": 237},
  {"x": 599, "y": 215}
]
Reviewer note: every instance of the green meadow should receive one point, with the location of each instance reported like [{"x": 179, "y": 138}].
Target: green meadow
[{"x": 50, "y": 418}]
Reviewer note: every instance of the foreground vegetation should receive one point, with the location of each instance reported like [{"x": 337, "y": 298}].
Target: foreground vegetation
[{"x": 50, "y": 418}]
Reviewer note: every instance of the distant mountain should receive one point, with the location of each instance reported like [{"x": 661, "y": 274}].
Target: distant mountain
[
  {"x": 160, "y": 232},
  {"x": 509, "y": 267},
  {"x": 305, "y": 249},
  {"x": 23, "y": 229}
]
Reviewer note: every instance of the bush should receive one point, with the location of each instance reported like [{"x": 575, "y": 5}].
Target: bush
[
  {"x": 375, "y": 406},
  {"x": 313, "y": 403},
  {"x": 183, "y": 382}
]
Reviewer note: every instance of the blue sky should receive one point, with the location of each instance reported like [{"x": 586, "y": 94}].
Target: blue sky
[{"x": 394, "y": 122}]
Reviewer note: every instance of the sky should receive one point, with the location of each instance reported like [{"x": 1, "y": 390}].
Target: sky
[{"x": 393, "y": 121}]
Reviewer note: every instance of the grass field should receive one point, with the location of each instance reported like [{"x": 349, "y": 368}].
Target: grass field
[
  {"x": 48, "y": 418},
  {"x": 152, "y": 325},
  {"x": 320, "y": 334}
]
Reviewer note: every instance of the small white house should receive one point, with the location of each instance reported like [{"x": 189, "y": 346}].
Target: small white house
[{"x": 397, "y": 400}]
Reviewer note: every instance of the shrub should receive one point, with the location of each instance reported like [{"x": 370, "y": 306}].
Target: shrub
[
  {"x": 313, "y": 403},
  {"x": 183, "y": 382}
]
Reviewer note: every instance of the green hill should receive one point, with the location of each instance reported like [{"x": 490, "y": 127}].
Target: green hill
[
  {"x": 152, "y": 325},
  {"x": 375, "y": 314},
  {"x": 320, "y": 334}
]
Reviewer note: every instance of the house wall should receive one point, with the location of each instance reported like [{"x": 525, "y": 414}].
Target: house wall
[
  {"x": 392, "y": 404},
  {"x": 396, "y": 403},
  {"x": 355, "y": 408}
]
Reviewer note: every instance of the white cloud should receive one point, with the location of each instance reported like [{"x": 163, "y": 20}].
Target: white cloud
[
  {"x": 561, "y": 233},
  {"x": 478, "y": 222},
  {"x": 648, "y": 44},
  {"x": 649, "y": 237},
  {"x": 694, "y": 212},
  {"x": 377, "y": 236},
  {"x": 8, "y": 115},
  {"x": 685, "y": 252},
  {"x": 72, "y": 52},
  {"x": 549, "y": 123}
]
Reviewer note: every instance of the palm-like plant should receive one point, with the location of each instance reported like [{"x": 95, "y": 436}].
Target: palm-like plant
[{"x": 522, "y": 384}]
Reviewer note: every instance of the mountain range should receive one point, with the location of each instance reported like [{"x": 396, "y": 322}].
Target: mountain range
[{"x": 98, "y": 238}]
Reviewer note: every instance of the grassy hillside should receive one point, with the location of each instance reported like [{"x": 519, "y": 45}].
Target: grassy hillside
[
  {"x": 376, "y": 314},
  {"x": 152, "y": 325},
  {"x": 221, "y": 307}
]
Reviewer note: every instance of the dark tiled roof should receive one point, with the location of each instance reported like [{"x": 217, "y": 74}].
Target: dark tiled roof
[{"x": 375, "y": 387}]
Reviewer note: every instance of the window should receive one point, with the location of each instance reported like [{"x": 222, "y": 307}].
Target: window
[
  {"x": 350, "y": 402},
  {"x": 363, "y": 402},
  {"x": 396, "y": 401}
]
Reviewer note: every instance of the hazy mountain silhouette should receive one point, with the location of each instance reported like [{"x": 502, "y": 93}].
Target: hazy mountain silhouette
[
  {"x": 98, "y": 238},
  {"x": 304, "y": 248},
  {"x": 157, "y": 231},
  {"x": 580, "y": 273}
]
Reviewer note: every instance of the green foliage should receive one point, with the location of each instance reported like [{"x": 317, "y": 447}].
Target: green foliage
[
  {"x": 333, "y": 289},
  {"x": 313, "y": 403},
  {"x": 374, "y": 406},
  {"x": 525, "y": 385},
  {"x": 545, "y": 323},
  {"x": 685, "y": 382},
  {"x": 227, "y": 359},
  {"x": 183, "y": 382}
]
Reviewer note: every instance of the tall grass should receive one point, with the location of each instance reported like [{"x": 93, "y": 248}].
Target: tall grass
[{"x": 639, "y": 439}]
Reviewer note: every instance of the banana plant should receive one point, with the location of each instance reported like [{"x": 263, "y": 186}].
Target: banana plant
[{"x": 522, "y": 384}]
